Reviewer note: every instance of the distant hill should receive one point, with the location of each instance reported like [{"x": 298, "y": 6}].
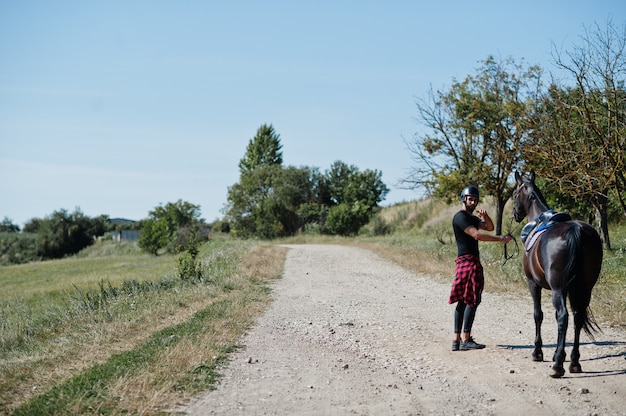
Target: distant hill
[{"x": 121, "y": 221}]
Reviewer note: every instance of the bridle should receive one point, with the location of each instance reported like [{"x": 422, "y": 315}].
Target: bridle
[{"x": 516, "y": 204}]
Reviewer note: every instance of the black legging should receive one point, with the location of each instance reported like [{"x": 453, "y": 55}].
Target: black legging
[{"x": 464, "y": 313}]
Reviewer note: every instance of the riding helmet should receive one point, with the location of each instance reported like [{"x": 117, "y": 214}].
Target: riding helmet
[{"x": 469, "y": 190}]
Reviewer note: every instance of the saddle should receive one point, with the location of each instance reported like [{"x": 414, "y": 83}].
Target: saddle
[{"x": 545, "y": 220}]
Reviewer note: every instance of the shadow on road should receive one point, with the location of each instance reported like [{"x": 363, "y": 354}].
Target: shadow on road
[{"x": 585, "y": 374}]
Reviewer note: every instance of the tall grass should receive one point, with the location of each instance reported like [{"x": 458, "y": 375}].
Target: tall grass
[
  {"x": 44, "y": 299},
  {"x": 129, "y": 344}
]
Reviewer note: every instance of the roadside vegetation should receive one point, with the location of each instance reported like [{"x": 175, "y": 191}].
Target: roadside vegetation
[{"x": 117, "y": 331}]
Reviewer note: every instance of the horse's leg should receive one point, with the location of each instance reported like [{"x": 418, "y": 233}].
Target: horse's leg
[
  {"x": 535, "y": 292},
  {"x": 574, "y": 366},
  {"x": 562, "y": 318}
]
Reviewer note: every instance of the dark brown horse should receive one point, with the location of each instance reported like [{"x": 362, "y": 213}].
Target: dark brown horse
[{"x": 564, "y": 257}]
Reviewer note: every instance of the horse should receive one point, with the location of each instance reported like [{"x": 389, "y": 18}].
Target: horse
[{"x": 564, "y": 257}]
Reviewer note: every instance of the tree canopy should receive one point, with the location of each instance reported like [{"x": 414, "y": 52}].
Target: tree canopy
[
  {"x": 173, "y": 227},
  {"x": 63, "y": 233},
  {"x": 573, "y": 134},
  {"x": 7, "y": 226},
  {"x": 476, "y": 132},
  {"x": 271, "y": 200},
  {"x": 264, "y": 149},
  {"x": 579, "y": 139}
]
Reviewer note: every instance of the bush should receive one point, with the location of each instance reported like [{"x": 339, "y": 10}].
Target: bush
[
  {"x": 153, "y": 236},
  {"x": 344, "y": 219},
  {"x": 187, "y": 238},
  {"x": 377, "y": 226},
  {"x": 18, "y": 248},
  {"x": 188, "y": 267},
  {"x": 173, "y": 227},
  {"x": 62, "y": 233}
]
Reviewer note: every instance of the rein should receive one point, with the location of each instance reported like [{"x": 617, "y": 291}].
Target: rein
[{"x": 506, "y": 256}]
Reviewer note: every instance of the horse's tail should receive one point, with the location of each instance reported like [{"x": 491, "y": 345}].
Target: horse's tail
[{"x": 579, "y": 285}]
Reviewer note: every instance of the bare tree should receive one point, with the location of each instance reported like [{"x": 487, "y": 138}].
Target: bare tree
[{"x": 597, "y": 111}]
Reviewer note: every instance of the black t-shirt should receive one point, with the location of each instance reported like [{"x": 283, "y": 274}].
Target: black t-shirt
[{"x": 465, "y": 243}]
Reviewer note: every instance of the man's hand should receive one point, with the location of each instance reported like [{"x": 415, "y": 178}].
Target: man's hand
[{"x": 506, "y": 238}]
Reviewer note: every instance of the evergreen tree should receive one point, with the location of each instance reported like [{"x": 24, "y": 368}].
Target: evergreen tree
[{"x": 263, "y": 150}]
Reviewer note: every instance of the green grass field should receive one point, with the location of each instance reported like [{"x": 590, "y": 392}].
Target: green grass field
[{"x": 36, "y": 280}]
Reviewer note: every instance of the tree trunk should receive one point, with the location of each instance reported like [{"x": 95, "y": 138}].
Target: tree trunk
[
  {"x": 602, "y": 221},
  {"x": 500, "y": 212}
]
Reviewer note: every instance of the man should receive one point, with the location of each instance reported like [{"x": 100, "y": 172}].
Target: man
[{"x": 469, "y": 281}]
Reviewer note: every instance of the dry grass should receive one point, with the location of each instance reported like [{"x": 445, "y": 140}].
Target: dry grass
[
  {"x": 262, "y": 264},
  {"x": 428, "y": 263},
  {"x": 430, "y": 249},
  {"x": 143, "y": 395},
  {"x": 177, "y": 370},
  {"x": 92, "y": 344}
]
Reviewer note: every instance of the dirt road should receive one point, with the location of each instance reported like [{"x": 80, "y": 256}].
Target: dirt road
[{"x": 349, "y": 333}]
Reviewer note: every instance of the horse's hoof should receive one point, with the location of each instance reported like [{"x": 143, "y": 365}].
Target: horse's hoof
[
  {"x": 537, "y": 356},
  {"x": 575, "y": 368},
  {"x": 557, "y": 372}
]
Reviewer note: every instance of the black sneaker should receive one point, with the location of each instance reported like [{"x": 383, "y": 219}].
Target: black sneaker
[
  {"x": 470, "y": 344},
  {"x": 456, "y": 345}
]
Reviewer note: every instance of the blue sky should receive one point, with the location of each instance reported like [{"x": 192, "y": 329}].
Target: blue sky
[{"x": 115, "y": 107}]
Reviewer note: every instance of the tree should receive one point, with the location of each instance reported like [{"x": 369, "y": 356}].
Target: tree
[
  {"x": 568, "y": 158},
  {"x": 597, "y": 67},
  {"x": 265, "y": 202},
  {"x": 345, "y": 183},
  {"x": 264, "y": 149},
  {"x": 63, "y": 233},
  {"x": 7, "y": 226},
  {"x": 153, "y": 235},
  {"x": 351, "y": 197},
  {"x": 167, "y": 225},
  {"x": 477, "y": 130},
  {"x": 271, "y": 200}
]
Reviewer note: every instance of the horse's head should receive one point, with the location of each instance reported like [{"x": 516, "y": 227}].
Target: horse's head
[{"x": 521, "y": 195}]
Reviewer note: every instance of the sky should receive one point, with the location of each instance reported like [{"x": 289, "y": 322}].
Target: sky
[{"x": 116, "y": 107}]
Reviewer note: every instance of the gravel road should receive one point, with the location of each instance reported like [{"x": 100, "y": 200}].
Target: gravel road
[{"x": 349, "y": 333}]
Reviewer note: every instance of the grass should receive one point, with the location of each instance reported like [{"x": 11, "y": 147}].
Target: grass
[
  {"x": 55, "y": 278},
  {"x": 134, "y": 346},
  {"x": 114, "y": 331}
]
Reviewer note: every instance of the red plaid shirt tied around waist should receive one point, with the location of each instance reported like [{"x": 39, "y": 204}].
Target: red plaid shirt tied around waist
[{"x": 469, "y": 281}]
